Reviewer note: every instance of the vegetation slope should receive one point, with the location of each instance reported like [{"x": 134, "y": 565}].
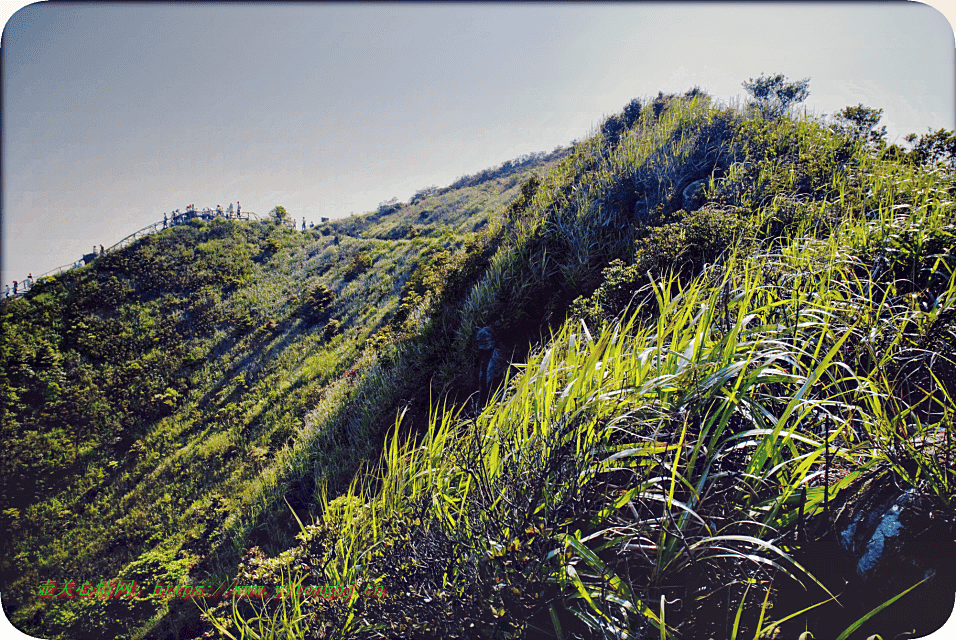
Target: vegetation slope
[
  {"x": 729, "y": 327},
  {"x": 155, "y": 403}
]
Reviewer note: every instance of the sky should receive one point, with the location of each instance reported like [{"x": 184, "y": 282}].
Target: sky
[{"x": 113, "y": 114}]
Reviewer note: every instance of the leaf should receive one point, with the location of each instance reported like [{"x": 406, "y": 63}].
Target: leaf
[{"x": 859, "y": 623}]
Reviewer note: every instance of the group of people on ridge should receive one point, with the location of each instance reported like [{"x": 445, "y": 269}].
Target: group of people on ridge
[
  {"x": 181, "y": 217},
  {"x": 175, "y": 217},
  {"x": 21, "y": 286}
]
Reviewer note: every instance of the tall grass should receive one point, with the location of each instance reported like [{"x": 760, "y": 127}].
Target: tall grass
[
  {"x": 660, "y": 474},
  {"x": 665, "y": 459}
]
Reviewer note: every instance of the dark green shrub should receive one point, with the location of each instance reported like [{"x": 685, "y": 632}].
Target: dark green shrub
[
  {"x": 660, "y": 103},
  {"x": 279, "y": 214},
  {"x": 935, "y": 147},
  {"x": 773, "y": 95},
  {"x": 860, "y": 123},
  {"x": 359, "y": 264},
  {"x": 521, "y": 203},
  {"x": 632, "y": 112},
  {"x": 317, "y": 301},
  {"x": 612, "y": 129},
  {"x": 389, "y": 207},
  {"x": 685, "y": 247},
  {"x": 332, "y": 329}
]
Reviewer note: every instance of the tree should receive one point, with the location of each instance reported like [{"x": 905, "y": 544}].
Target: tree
[
  {"x": 632, "y": 112},
  {"x": 279, "y": 214},
  {"x": 612, "y": 129},
  {"x": 773, "y": 95},
  {"x": 860, "y": 122},
  {"x": 934, "y": 147}
]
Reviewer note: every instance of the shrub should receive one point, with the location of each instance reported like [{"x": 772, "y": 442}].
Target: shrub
[
  {"x": 360, "y": 263},
  {"x": 317, "y": 301},
  {"x": 935, "y": 147},
  {"x": 684, "y": 247},
  {"x": 522, "y": 202},
  {"x": 279, "y": 214},
  {"x": 632, "y": 112},
  {"x": 660, "y": 103},
  {"x": 860, "y": 122},
  {"x": 773, "y": 95},
  {"x": 612, "y": 129},
  {"x": 332, "y": 329}
]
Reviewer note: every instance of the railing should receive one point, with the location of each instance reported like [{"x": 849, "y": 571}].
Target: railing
[
  {"x": 180, "y": 219},
  {"x": 145, "y": 231}
]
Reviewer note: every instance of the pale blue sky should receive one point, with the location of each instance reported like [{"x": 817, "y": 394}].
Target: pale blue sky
[{"x": 114, "y": 114}]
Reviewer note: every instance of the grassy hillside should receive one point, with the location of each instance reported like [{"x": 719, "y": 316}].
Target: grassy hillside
[
  {"x": 710, "y": 392},
  {"x": 728, "y": 327},
  {"x": 154, "y": 403}
]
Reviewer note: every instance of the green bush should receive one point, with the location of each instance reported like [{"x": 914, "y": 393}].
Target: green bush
[
  {"x": 359, "y": 264},
  {"x": 683, "y": 248},
  {"x": 332, "y": 329},
  {"x": 317, "y": 302},
  {"x": 773, "y": 95}
]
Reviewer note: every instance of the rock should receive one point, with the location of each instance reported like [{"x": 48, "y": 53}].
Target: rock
[
  {"x": 872, "y": 536},
  {"x": 485, "y": 339},
  {"x": 491, "y": 363},
  {"x": 693, "y": 195},
  {"x": 893, "y": 542}
]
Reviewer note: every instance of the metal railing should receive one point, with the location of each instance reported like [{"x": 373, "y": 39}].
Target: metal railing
[{"x": 180, "y": 219}]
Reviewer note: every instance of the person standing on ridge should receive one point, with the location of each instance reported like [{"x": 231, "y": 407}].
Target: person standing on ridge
[
  {"x": 14, "y": 287},
  {"x": 303, "y": 223}
]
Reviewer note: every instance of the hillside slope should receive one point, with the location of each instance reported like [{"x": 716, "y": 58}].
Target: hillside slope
[
  {"x": 732, "y": 340},
  {"x": 665, "y": 383},
  {"x": 153, "y": 403}
]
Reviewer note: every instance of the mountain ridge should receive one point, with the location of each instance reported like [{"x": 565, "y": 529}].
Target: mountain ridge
[{"x": 668, "y": 296}]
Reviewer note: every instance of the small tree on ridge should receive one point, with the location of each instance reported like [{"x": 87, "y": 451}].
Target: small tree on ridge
[
  {"x": 861, "y": 122},
  {"x": 773, "y": 95},
  {"x": 279, "y": 214}
]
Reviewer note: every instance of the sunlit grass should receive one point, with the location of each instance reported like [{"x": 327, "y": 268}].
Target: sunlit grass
[
  {"x": 739, "y": 397},
  {"x": 665, "y": 453}
]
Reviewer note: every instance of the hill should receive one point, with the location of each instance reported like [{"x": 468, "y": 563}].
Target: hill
[
  {"x": 694, "y": 380},
  {"x": 155, "y": 402}
]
